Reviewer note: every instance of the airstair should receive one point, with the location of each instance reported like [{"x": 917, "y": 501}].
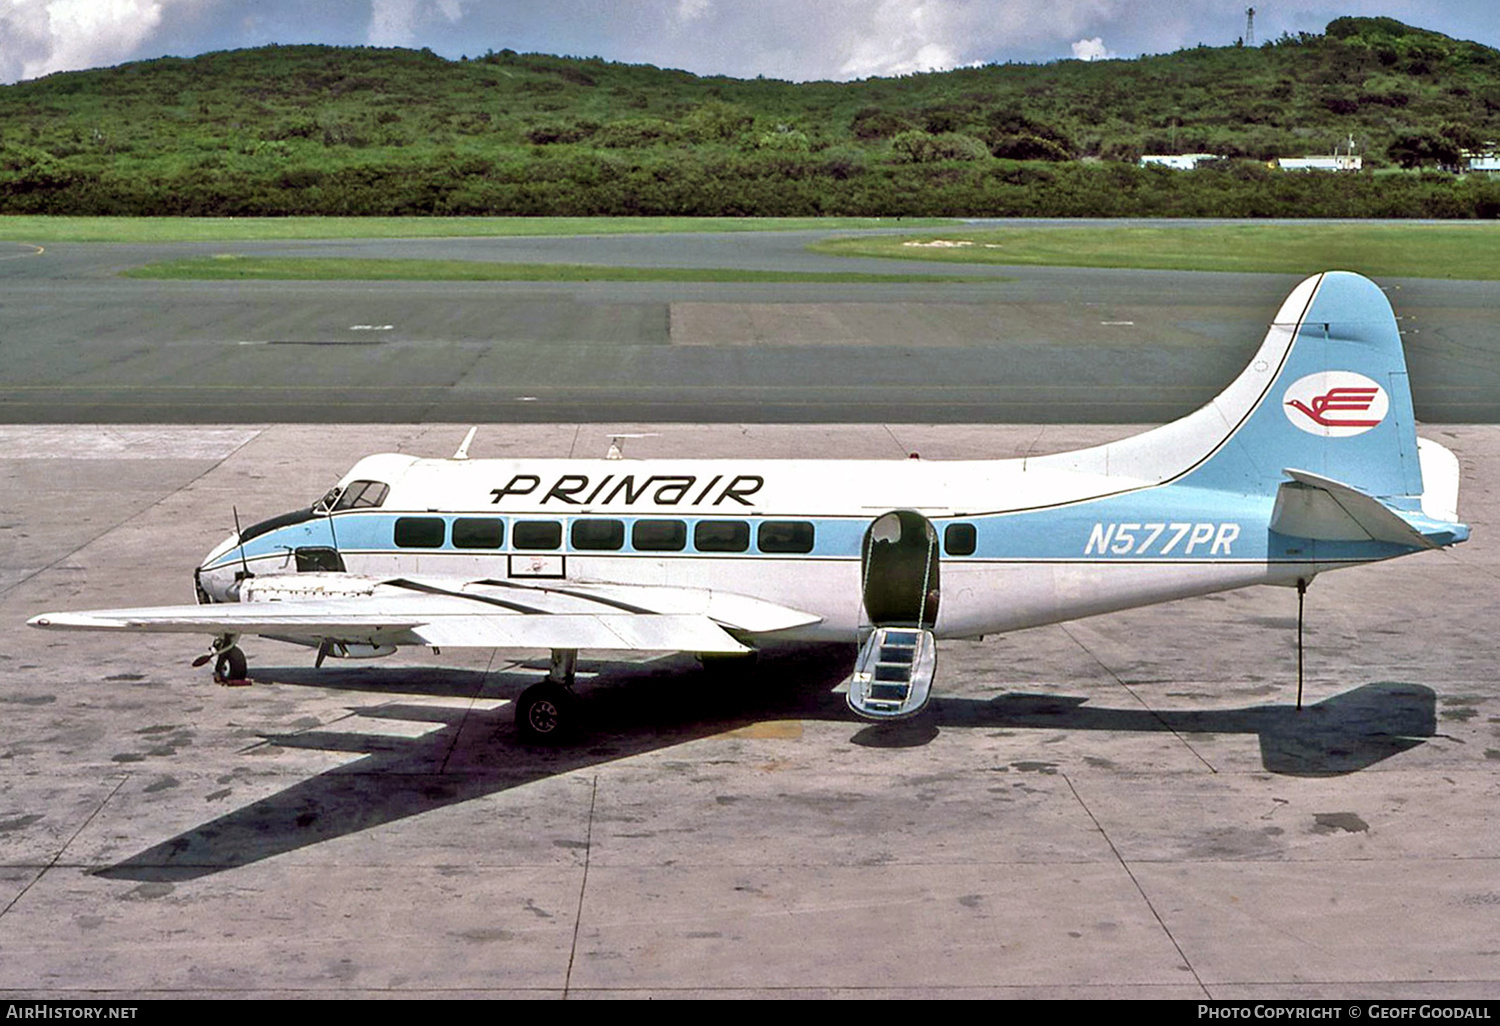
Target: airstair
[{"x": 893, "y": 675}]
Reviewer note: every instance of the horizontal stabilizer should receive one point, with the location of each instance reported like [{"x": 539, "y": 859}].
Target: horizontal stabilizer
[{"x": 1311, "y": 506}]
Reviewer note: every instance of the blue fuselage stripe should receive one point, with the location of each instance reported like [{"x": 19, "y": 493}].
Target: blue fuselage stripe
[{"x": 1163, "y": 524}]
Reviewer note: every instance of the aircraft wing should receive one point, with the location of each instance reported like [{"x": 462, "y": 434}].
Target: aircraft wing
[{"x": 474, "y": 614}]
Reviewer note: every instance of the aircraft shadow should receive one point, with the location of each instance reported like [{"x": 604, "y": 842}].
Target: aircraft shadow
[
  {"x": 1343, "y": 734},
  {"x": 637, "y": 708},
  {"x": 632, "y": 709}
]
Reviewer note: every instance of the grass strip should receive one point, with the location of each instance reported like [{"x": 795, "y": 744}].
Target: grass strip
[
  {"x": 44, "y": 229},
  {"x": 231, "y": 267},
  {"x": 1463, "y": 250}
]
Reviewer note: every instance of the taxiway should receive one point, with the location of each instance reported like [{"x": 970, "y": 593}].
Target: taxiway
[{"x": 1015, "y": 345}]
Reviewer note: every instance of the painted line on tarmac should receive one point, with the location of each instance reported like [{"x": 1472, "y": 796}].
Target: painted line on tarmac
[{"x": 36, "y": 251}]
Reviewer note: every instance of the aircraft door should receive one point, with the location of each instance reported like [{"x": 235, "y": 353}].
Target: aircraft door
[{"x": 899, "y": 568}]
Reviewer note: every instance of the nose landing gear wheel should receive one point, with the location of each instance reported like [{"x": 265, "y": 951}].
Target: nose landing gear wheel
[
  {"x": 230, "y": 667},
  {"x": 546, "y": 714}
]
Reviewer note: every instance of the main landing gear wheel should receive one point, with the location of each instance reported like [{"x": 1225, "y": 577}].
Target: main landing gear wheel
[
  {"x": 230, "y": 666},
  {"x": 546, "y": 714}
]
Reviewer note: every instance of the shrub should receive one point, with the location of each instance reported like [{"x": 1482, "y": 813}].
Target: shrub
[
  {"x": 548, "y": 134},
  {"x": 872, "y": 123},
  {"x": 1028, "y": 147},
  {"x": 632, "y": 133},
  {"x": 918, "y": 147}
]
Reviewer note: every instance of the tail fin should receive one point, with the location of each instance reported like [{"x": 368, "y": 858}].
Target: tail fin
[
  {"x": 1327, "y": 394},
  {"x": 1321, "y": 419}
]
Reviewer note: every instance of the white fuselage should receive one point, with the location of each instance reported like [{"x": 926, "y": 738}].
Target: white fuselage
[{"x": 1021, "y": 542}]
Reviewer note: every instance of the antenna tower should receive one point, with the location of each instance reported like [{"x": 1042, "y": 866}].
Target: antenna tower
[{"x": 1250, "y": 26}]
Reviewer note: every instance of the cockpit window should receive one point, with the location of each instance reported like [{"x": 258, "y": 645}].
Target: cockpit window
[
  {"x": 325, "y": 504},
  {"x": 362, "y": 495}
]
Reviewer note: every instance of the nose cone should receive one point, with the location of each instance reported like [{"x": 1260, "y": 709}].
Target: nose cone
[
  {"x": 220, "y": 550},
  {"x": 217, "y": 578}
]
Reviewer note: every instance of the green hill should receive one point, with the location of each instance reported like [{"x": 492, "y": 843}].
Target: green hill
[{"x": 360, "y": 131}]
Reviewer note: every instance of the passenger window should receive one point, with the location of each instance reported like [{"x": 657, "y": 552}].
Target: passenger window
[
  {"x": 959, "y": 539},
  {"x": 659, "y": 535},
  {"x": 362, "y": 495},
  {"x": 420, "y": 532},
  {"x": 598, "y": 534},
  {"x": 721, "y": 536},
  {"x": 478, "y": 533},
  {"x": 785, "y": 536},
  {"x": 536, "y": 534}
]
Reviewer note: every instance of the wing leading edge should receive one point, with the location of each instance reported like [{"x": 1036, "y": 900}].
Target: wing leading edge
[{"x": 474, "y": 614}]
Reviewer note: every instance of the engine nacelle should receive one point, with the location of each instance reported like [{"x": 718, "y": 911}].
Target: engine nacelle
[
  {"x": 358, "y": 650},
  {"x": 286, "y": 587}
]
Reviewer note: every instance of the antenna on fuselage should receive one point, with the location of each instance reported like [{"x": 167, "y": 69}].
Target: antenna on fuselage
[
  {"x": 617, "y": 446},
  {"x": 463, "y": 449},
  {"x": 239, "y": 537}
]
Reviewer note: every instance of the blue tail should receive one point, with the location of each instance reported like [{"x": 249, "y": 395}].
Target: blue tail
[
  {"x": 1321, "y": 421},
  {"x": 1327, "y": 393}
]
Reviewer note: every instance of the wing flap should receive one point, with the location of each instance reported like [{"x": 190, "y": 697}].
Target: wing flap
[
  {"x": 735, "y": 611},
  {"x": 600, "y": 631}
]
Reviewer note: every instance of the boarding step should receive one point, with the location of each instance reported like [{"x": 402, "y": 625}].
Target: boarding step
[{"x": 893, "y": 675}]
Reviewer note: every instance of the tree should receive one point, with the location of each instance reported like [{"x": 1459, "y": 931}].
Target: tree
[{"x": 1423, "y": 149}]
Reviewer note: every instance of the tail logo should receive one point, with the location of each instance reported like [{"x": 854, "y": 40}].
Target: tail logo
[{"x": 1336, "y": 404}]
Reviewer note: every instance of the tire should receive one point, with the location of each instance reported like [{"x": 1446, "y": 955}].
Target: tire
[
  {"x": 546, "y": 714},
  {"x": 230, "y": 665}
]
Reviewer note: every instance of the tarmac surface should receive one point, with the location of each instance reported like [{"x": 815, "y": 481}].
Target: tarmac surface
[
  {"x": 1127, "y": 806},
  {"x": 1017, "y": 345}
]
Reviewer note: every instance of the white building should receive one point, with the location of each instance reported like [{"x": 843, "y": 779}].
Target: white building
[
  {"x": 1177, "y": 161},
  {"x": 1333, "y": 162},
  {"x": 1480, "y": 160}
]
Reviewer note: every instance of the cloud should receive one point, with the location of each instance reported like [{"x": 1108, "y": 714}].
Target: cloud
[
  {"x": 1091, "y": 49},
  {"x": 887, "y": 37},
  {"x": 38, "y": 37},
  {"x": 403, "y": 22},
  {"x": 897, "y": 37}
]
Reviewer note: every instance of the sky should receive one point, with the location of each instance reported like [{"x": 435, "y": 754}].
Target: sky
[{"x": 791, "y": 39}]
